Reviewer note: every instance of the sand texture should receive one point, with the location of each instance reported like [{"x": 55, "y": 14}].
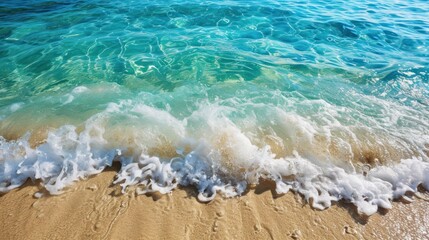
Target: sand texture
[{"x": 95, "y": 209}]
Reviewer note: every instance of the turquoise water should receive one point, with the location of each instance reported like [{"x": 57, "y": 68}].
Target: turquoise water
[{"x": 311, "y": 95}]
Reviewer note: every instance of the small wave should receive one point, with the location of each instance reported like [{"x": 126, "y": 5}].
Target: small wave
[{"x": 163, "y": 152}]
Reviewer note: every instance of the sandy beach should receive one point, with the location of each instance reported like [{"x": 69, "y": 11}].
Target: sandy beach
[{"x": 96, "y": 209}]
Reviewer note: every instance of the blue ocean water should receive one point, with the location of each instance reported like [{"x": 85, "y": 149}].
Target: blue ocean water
[{"x": 330, "y": 99}]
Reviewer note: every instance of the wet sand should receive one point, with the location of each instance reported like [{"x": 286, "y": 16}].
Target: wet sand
[{"x": 95, "y": 209}]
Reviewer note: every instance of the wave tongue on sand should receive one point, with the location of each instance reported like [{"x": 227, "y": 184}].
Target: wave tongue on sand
[{"x": 164, "y": 152}]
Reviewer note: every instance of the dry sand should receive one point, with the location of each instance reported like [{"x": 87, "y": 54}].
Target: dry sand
[{"x": 94, "y": 209}]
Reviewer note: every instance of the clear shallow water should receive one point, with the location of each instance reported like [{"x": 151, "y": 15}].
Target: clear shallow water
[{"x": 328, "y": 99}]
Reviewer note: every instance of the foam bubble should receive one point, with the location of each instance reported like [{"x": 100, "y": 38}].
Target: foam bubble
[
  {"x": 16, "y": 106},
  {"x": 80, "y": 89}
]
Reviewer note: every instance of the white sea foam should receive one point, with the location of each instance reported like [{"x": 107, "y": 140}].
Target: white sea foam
[
  {"x": 211, "y": 153},
  {"x": 14, "y": 107}
]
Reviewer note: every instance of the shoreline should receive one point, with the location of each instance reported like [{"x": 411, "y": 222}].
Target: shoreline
[{"x": 96, "y": 209}]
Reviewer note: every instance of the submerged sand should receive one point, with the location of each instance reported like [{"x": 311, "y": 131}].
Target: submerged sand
[{"x": 95, "y": 209}]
